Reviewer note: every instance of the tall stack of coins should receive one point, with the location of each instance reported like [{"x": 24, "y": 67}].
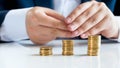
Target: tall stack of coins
[
  {"x": 45, "y": 51},
  {"x": 67, "y": 47},
  {"x": 94, "y": 43}
]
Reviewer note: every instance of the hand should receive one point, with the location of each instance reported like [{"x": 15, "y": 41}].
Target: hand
[
  {"x": 44, "y": 25},
  {"x": 92, "y": 18}
]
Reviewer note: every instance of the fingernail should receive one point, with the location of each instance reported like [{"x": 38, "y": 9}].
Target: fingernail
[
  {"x": 68, "y": 20},
  {"x": 71, "y": 27},
  {"x": 84, "y": 36},
  {"x": 76, "y": 33}
]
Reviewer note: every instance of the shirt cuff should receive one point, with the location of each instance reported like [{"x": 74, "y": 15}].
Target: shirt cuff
[
  {"x": 14, "y": 27},
  {"x": 117, "y": 18}
]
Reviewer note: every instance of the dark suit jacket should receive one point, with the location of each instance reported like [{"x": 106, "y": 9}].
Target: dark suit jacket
[{"x": 7, "y": 5}]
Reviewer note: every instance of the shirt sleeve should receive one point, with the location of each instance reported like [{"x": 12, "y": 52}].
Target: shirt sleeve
[
  {"x": 13, "y": 27},
  {"x": 118, "y": 21},
  {"x": 117, "y": 18}
]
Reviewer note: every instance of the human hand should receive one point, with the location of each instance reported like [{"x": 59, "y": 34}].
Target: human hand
[
  {"x": 44, "y": 25},
  {"x": 92, "y": 18}
]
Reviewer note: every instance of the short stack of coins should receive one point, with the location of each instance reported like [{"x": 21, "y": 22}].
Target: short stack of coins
[
  {"x": 94, "y": 43},
  {"x": 45, "y": 51},
  {"x": 67, "y": 47}
]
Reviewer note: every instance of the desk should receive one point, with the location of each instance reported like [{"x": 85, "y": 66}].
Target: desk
[{"x": 26, "y": 55}]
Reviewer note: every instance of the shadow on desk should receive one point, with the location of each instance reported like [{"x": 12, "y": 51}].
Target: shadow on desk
[{"x": 61, "y": 55}]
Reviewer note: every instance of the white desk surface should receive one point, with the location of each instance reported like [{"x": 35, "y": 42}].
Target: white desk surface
[{"x": 26, "y": 55}]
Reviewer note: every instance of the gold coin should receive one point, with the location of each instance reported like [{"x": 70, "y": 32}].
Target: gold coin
[
  {"x": 93, "y": 47},
  {"x": 67, "y": 53},
  {"x": 45, "y": 54},
  {"x": 94, "y": 43},
  {"x": 67, "y": 47},
  {"x": 45, "y": 51},
  {"x": 92, "y": 54},
  {"x": 45, "y": 48}
]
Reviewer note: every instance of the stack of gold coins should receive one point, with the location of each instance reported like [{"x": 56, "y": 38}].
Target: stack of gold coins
[
  {"x": 45, "y": 51},
  {"x": 67, "y": 47},
  {"x": 94, "y": 43}
]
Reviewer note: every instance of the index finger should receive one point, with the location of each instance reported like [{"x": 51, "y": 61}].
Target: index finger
[{"x": 79, "y": 10}]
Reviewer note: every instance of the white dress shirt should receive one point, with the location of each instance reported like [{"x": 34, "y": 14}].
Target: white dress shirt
[{"x": 14, "y": 27}]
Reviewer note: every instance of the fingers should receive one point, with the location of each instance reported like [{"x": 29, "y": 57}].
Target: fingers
[
  {"x": 91, "y": 22},
  {"x": 49, "y": 20},
  {"x": 53, "y": 23},
  {"x": 79, "y": 10},
  {"x": 97, "y": 29},
  {"x": 83, "y": 17},
  {"x": 43, "y": 34},
  {"x": 55, "y": 32},
  {"x": 64, "y": 34}
]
